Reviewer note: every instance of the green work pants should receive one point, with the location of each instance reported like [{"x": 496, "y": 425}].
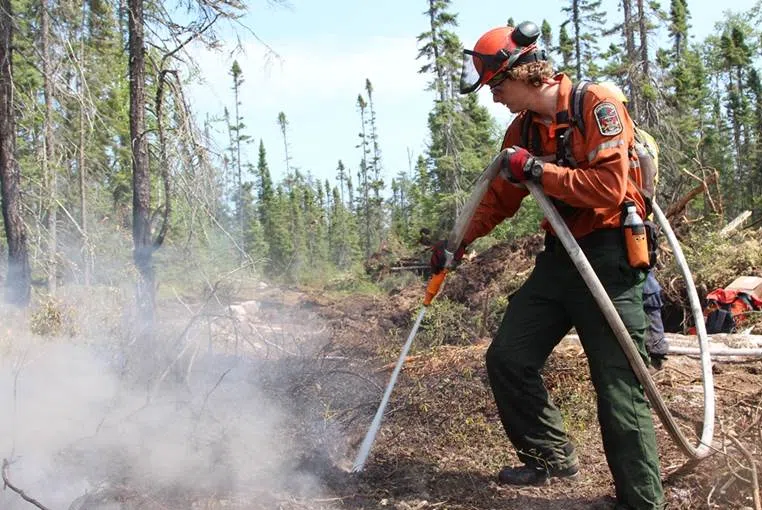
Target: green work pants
[{"x": 550, "y": 302}]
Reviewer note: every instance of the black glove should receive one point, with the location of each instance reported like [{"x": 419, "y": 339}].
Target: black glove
[{"x": 438, "y": 257}]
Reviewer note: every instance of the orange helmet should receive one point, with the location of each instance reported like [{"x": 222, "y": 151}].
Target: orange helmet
[{"x": 497, "y": 51}]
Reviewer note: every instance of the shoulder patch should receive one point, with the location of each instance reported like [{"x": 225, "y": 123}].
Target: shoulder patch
[{"x": 609, "y": 123}]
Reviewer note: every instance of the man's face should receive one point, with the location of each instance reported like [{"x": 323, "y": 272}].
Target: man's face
[{"x": 510, "y": 93}]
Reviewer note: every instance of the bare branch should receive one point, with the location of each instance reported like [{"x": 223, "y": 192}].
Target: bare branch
[
  {"x": 163, "y": 161},
  {"x": 753, "y": 468},
  {"x": 17, "y": 490},
  {"x": 189, "y": 39}
]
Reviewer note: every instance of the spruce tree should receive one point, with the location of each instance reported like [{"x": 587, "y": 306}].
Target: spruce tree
[
  {"x": 315, "y": 228},
  {"x": 237, "y": 138},
  {"x": 364, "y": 180},
  {"x": 376, "y": 211},
  {"x": 296, "y": 229},
  {"x": 631, "y": 58},
  {"x": 283, "y": 123},
  {"x": 279, "y": 233},
  {"x": 49, "y": 166},
  {"x": 566, "y": 51},
  {"x": 440, "y": 49},
  {"x": 455, "y": 157},
  {"x": 546, "y": 36},
  {"x": 18, "y": 282},
  {"x": 736, "y": 56},
  {"x": 678, "y": 26},
  {"x": 141, "y": 185},
  {"x": 587, "y": 20},
  {"x": 344, "y": 241}
]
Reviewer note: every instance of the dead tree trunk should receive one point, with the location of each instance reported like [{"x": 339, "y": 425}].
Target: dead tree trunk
[
  {"x": 647, "y": 108},
  {"x": 81, "y": 170},
  {"x": 577, "y": 42},
  {"x": 49, "y": 173},
  {"x": 141, "y": 186},
  {"x": 18, "y": 283},
  {"x": 441, "y": 87},
  {"x": 629, "y": 42}
]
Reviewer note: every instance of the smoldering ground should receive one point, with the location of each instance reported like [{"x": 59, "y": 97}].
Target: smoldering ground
[{"x": 200, "y": 423}]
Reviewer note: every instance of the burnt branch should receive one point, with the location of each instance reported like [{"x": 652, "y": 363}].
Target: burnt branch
[
  {"x": 18, "y": 491},
  {"x": 754, "y": 480},
  {"x": 163, "y": 160}
]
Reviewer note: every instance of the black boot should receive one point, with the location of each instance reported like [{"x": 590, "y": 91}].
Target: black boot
[
  {"x": 657, "y": 361},
  {"x": 532, "y": 475}
]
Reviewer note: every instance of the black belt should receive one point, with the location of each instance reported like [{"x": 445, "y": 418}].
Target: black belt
[{"x": 608, "y": 236}]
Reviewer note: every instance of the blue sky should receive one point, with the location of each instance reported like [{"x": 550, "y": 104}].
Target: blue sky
[{"x": 325, "y": 51}]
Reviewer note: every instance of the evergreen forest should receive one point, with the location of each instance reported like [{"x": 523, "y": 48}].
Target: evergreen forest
[{"x": 109, "y": 176}]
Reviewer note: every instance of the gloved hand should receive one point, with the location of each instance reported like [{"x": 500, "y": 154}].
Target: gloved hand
[
  {"x": 438, "y": 257},
  {"x": 522, "y": 165}
]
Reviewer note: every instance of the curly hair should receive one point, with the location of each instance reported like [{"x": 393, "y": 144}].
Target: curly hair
[{"x": 534, "y": 73}]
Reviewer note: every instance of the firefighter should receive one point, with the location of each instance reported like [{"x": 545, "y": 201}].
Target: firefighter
[{"x": 590, "y": 175}]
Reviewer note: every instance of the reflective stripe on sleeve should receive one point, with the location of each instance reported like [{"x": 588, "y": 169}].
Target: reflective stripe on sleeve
[{"x": 605, "y": 145}]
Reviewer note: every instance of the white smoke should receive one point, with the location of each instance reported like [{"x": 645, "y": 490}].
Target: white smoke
[{"x": 72, "y": 424}]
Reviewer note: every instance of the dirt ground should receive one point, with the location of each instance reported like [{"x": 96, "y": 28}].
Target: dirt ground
[{"x": 441, "y": 442}]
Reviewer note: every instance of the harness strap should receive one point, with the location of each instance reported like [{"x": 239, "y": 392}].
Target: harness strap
[
  {"x": 530, "y": 134},
  {"x": 577, "y": 99}
]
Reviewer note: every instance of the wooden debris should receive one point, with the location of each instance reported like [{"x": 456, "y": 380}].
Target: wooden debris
[
  {"x": 735, "y": 224},
  {"x": 720, "y": 344},
  {"x": 678, "y": 207}
]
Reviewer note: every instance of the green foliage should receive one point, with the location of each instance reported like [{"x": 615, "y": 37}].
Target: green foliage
[
  {"x": 566, "y": 49},
  {"x": 369, "y": 205},
  {"x": 525, "y": 222},
  {"x": 353, "y": 281},
  {"x": 439, "y": 48},
  {"x": 708, "y": 96},
  {"x": 546, "y": 35},
  {"x": 463, "y": 142},
  {"x": 586, "y": 20},
  {"x": 678, "y": 28},
  {"x": 398, "y": 281},
  {"x": 716, "y": 261},
  {"x": 447, "y": 323}
]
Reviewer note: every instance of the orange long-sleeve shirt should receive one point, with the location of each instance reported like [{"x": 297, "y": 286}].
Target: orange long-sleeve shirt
[{"x": 607, "y": 172}]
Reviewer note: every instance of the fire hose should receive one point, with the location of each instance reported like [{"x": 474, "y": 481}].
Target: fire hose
[
  {"x": 432, "y": 289},
  {"x": 580, "y": 261},
  {"x": 704, "y": 447}
]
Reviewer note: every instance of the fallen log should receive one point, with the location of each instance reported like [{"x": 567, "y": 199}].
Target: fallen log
[
  {"x": 735, "y": 224},
  {"x": 720, "y": 344},
  {"x": 680, "y": 205},
  {"x": 723, "y": 339},
  {"x": 717, "y": 339},
  {"x": 717, "y": 351}
]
